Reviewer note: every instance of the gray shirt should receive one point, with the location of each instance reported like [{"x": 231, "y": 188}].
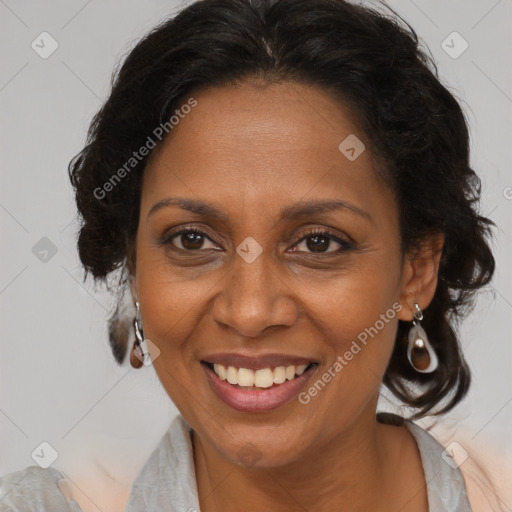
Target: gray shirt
[{"x": 167, "y": 481}]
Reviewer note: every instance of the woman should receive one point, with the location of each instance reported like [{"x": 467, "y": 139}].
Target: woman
[{"x": 284, "y": 189}]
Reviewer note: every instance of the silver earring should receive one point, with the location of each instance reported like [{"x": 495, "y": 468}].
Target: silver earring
[
  {"x": 420, "y": 353},
  {"x": 140, "y": 344}
]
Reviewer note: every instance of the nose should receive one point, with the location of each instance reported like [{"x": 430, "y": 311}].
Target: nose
[{"x": 254, "y": 297}]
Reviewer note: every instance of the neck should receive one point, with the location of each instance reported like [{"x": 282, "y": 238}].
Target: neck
[{"x": 349, "y": 469}]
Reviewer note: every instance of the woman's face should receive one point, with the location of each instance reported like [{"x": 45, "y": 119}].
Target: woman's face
[{"x": 254, "y": 278}]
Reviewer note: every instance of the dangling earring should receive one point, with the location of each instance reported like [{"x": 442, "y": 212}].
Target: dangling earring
[
  {"x": 420, "y": 353},
  {"x": 139, "y": 345}
]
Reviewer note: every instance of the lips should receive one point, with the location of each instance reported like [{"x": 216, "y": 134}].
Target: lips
[{"x": 257, "y": 384}]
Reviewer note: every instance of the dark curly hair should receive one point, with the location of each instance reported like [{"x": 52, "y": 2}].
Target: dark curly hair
[{"x": 373, "y": 63}]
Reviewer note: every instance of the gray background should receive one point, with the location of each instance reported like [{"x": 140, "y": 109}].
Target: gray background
[{"x": 58, "y": 380}]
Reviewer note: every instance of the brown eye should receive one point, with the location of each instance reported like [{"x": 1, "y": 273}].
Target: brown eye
[
  {"x": 320, "y": 241},
  {"x": 191, "y": 240},
  {"x": 188, "y": 240}
]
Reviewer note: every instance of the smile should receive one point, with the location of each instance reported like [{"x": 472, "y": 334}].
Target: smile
[{"x": 259, "y": 389}]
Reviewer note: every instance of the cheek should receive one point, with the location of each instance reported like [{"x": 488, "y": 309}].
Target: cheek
[
  {"x": 171, "y": 311},
  {"x": 360, "y": 341},
  {"x": 362, "y": 299},
  {"x": 170, "y": 316},
  {"x": 362, "y": 316},
  {"x": 171, "y": 298},
  {"x": 357, "y": 314}
]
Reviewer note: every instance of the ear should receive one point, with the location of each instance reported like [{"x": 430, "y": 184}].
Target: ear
[{"x": 419, "y": 275}]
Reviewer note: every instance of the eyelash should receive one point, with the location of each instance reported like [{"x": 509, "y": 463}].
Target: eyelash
[{"x": 345, "y": 245}]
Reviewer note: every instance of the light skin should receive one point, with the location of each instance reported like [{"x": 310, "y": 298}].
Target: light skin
[{"x": 251, "y": 151}]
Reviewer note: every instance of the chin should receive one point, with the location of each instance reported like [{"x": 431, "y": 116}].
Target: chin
[{"x": 261, "y": 449}]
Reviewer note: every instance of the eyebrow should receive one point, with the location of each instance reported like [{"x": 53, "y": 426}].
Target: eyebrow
[{"x": 299, "y": 209}]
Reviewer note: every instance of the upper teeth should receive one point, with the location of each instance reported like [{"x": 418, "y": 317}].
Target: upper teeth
[{"x": 263, "y": 378}]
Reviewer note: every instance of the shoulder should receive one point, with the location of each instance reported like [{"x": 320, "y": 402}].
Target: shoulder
[
  {"x": 446, "y": 486},
  {"x": 445, "y": 483},
  {"x": 34, "y": 489},
  {"x": 168, "y": 476}
]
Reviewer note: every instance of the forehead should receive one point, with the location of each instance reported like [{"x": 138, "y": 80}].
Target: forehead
[
  {"x": 276, "y": 142},
  {"x": 280, "y": 118}
]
